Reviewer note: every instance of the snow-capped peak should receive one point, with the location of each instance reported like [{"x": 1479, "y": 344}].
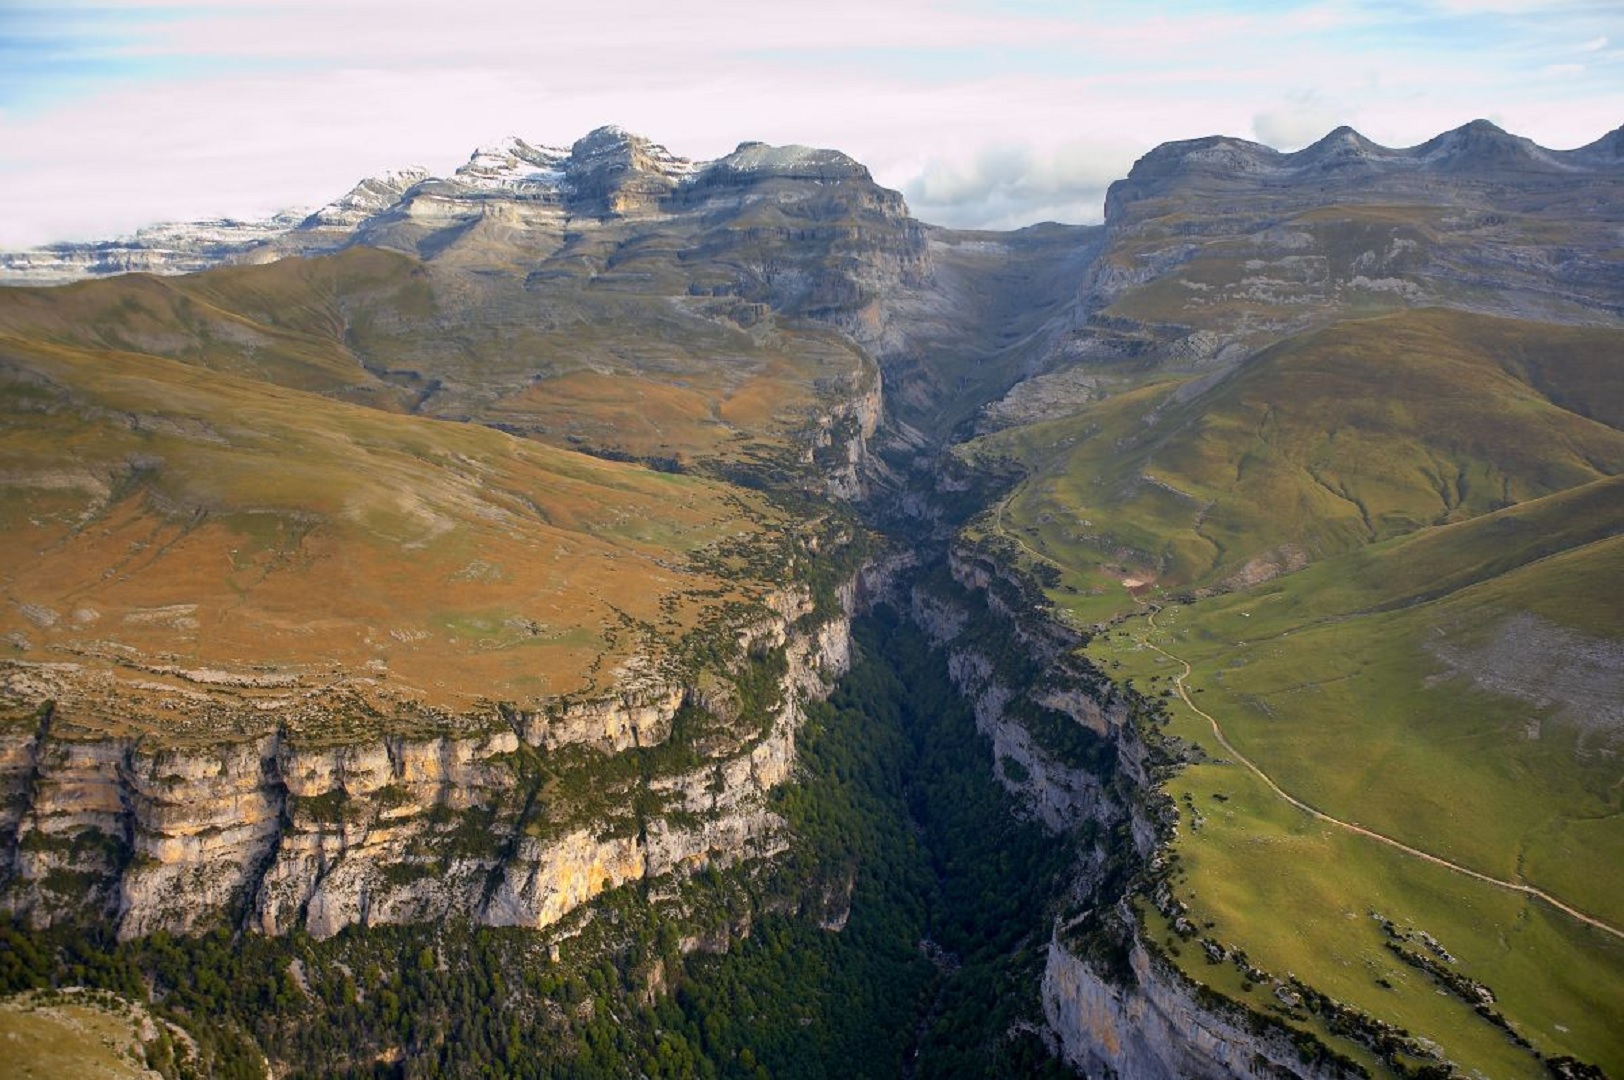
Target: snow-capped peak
[
  {"x": 514, "y": 165},
  {"x": 371, "y": 196}
]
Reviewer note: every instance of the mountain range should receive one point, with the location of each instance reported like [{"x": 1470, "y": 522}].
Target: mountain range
[
  {"x": 577, "y": 181},
  {"x": 475, "y": 555},
  {"x": 609, "y": 171}
]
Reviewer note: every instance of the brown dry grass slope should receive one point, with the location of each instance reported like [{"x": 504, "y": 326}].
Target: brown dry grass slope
[{"x": 166, "y": 527}]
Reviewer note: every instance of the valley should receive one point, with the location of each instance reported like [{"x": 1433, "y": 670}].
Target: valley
[{"x": 605, "y": 614}]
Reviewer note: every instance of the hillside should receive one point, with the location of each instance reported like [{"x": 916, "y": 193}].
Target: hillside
[
  {"x": 321, "y": 548},
  {"x": 1339, "y": 440},
  {"x": 383, "y": 587},
  {"x": 1326, "y": 442}
]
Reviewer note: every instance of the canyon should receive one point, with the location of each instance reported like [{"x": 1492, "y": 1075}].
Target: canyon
[{"x": 475, "y": 405}]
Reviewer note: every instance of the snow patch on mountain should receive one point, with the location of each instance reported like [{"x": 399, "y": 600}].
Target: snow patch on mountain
[
  {"x": 514, "y": 166},
  {"x": 371, "y": 196}
]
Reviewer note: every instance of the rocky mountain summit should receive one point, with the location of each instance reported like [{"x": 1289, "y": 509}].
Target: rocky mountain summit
[
  {"x": 510, "y": 407},
  {"x": 1477, "y": 155},
  {"x": 608, "y": 173},
  {"x": 371, "y": 196},
  {"x": 1474, "y": 219},
  {"x": 170, "y": 248}
]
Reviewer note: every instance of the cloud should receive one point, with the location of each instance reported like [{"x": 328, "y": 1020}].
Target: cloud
[{"x": 1005, "y": 186}]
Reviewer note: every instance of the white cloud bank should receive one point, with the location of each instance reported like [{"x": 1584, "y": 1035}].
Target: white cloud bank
[{"x": 1008, "y": 186}]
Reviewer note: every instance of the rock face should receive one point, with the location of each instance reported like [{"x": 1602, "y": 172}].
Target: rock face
[
  {"x": 278, "y": 834},
  {"x": 971, "y": 626},
  {"x": 1146, "y": 1022},
  {"x": 1115, "y": 1006},
  {"x": 1344, "y": 165},
  {"x": 613, "y": 173},
  {"x": 371, "y": 196},
  {"x": 1474, "y": 219},
  {"x": 1155, "y": 1029},
  {"x": 172, "y": 248},
  {"x": 822, "y": 238},
  {"x": 519, "y": 194}
]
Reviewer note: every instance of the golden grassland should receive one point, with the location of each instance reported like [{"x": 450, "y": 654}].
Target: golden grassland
[
  {"x": 159, "y": 518},
  {"x": 285, "y": 323},
  {"x": 216, "y": 501},
  {"x": 83, "y": 1034}
]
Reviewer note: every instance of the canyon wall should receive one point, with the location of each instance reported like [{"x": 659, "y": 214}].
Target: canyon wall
[
  {"x": 1154, "y": 1026},
  {"x": 1074, "y": 751},
  {"x": 513, "y": 825}
]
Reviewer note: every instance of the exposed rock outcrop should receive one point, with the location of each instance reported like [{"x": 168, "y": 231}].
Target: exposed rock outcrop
[
  {"x": 1152, "y": 1027},
  {"x": 1061, "y": 794},
  {"x": 1475, "y": 218},
  {"x": 280, "y": 832},
  {"x": 515, "y": 197},
  {"x": 172, "y": 248},
  {"x": 1115, "y": 1007},
  {"x": 371, "y": 196}
]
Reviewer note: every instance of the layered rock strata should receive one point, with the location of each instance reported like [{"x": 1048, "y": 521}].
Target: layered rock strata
[
  {"x": 513, "y": 825},
  {"x": 1115, "y": 1007},
  {"x": 792, "y": 207},
  {"x": 1155, "y": 1028}
]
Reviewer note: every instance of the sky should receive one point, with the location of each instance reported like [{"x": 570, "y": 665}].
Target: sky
[{"x": 119, "y": 113}]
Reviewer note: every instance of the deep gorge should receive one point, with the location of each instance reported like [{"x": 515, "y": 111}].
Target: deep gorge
[{"x": 905, "y": 929}]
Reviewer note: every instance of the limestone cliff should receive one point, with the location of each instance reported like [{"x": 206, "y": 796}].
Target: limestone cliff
[
  {"x": 840, "y": 442},
  {"x": 1014, "y": 700},
  {"x": 1075, "y": 751},
  {"x": 516, "y": 822},
  {"x": 1156, "y": 1027}
]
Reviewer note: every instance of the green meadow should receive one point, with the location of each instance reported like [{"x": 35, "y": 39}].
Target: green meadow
[
  {"x": 1328, "y": 442},
  {"x": 1350, "y": 717},
  {"x": 1390, "y": 552}
]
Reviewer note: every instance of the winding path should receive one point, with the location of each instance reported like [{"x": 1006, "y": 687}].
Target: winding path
[
  {"x": 1315, "y": 812},
  {"x": 1229, "y": 748},
  {"x": 998, "y": 526}
]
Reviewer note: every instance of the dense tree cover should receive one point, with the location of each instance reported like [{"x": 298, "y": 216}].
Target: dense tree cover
[
  {"x": 936, "y": 970},
  {"x": 902, "y": 935}
]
